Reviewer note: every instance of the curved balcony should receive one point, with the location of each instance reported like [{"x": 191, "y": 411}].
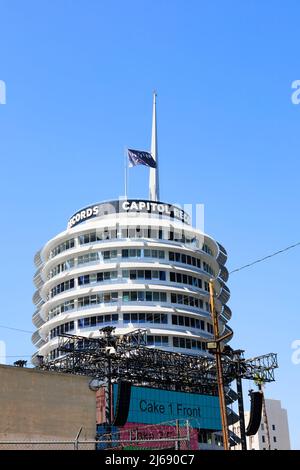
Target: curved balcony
[
  {"x": 37, "y": 259},
  {"x": 226, "y": 313},
  {"x": 37, "y": 320},
  {"x": 232, "y": 417},
  {"x": 36, "y": 359},
  {"x": 224, "y": 294},
  {"x": 230, "y": 395},
  {"x": 227, "y": 330},
  {"x": 37, "y": 299},
  {"x": 222, "y": 255},
  {"x": 38, "y": 280},
  {"x": 37, "y": 340},
  {"x": 223, "y": 274}
]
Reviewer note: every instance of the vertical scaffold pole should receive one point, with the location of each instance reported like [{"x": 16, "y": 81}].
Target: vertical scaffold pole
[{"x": 219, "y": 367}]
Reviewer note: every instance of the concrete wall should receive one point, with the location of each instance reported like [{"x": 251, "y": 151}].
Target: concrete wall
[{"x": 38, "y": 405}]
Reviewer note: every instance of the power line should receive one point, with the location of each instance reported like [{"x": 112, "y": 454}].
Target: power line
[
  {"x": 265, "y": 257},
  {"x": 15, "y": 329}
]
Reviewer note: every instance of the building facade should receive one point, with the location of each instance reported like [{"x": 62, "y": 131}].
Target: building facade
[
  {"x": 155, "y": 413},
  {"x": 130, "y": 264},
  {"x": 273, "y": 434},
  {"x": 278, "y": 429}
]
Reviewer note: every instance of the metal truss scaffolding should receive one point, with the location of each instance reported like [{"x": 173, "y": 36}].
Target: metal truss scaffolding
[{"x": 128, "y": 358}]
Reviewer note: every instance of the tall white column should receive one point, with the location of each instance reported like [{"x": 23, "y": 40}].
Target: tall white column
[{"x": 153, "y": 176}]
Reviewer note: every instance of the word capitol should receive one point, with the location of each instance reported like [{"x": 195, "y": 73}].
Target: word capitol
[
  {"x": 135, "y": 206},
  {"x": 155, "y": 207}
]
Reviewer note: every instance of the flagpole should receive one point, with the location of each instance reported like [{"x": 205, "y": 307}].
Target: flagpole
[
  {"x": 153, "y": 175},
  {"x": 126, "y": 171}
]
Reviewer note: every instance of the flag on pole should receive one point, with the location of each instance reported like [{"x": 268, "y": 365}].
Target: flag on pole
[{"x": 140, "y": 157}]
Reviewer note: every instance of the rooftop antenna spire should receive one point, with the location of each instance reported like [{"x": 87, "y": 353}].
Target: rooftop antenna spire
[{"x": 153, "y": 176}]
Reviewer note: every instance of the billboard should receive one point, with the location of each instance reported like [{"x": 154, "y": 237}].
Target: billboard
[
  {"x": 155, "y": 406},
  {"x": 160, "y": 436},
  {"x": 140, "y": 436}
]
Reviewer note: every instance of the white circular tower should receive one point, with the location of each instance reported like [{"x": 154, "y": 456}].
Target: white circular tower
[{"x": 130, "y": 264}]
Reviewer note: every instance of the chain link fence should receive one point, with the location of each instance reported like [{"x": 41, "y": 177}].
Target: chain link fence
[
  {"x": 168, "y": 435},
  {"x": 48, "y": 445}
]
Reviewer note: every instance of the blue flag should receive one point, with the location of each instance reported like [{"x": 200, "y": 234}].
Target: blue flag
[{"x": 139, "y": 157}]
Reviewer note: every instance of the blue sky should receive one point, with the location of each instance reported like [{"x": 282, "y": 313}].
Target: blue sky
[{"x": 79, "y": 78}]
